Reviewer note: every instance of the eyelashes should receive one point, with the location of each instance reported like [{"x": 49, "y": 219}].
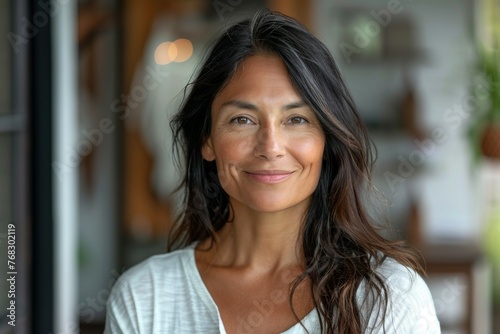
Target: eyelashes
[
  {"x": 244, "y": 120},
  {"x": 297, "y": 120},
  {"x": 241, "y": 120}
]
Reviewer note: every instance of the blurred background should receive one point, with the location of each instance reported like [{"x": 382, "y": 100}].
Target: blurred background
[{"x": 87, "y": 89}]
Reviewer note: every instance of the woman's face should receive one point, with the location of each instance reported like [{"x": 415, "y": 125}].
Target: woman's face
[{"x": 266, "y": 142}]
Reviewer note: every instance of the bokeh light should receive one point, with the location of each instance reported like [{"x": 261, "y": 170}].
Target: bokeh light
[
  {"x": 184, "y": 49},
  {"x": 178, "y": 51}
]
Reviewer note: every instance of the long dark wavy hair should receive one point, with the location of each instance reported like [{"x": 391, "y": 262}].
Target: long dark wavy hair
[{"x": 341, "y": 248}]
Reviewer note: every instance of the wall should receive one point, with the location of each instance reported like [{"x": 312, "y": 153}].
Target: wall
[{"x": 439, "y": 178}]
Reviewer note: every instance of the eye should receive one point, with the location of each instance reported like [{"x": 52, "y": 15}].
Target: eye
[
  {"x": 241, "y": 120},
  {"x": 297, "y": 120}
]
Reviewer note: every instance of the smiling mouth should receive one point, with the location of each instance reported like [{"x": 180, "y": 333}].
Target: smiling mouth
[{"x": 270, "y": 176}]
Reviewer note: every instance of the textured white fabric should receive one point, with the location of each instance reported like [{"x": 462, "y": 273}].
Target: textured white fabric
[{"x": 165, "y": 294}]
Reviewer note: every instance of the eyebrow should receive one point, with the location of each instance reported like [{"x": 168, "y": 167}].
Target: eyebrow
[{"x": 250, "y": 106}]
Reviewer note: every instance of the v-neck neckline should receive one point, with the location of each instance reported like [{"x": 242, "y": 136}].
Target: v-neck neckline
[{"x": 206, "y": 297}]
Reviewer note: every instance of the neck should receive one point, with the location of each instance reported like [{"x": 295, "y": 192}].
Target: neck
[{"x": 261, "y": 241}]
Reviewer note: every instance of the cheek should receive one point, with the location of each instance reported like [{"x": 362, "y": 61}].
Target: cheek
[
  {"x": 230, "y": 149},
  {"x": 310, "y": 150}
]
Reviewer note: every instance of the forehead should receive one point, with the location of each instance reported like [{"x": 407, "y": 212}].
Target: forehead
[{"x": 260, "y": 78}]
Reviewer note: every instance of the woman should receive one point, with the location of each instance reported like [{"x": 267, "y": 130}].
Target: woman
[{"x": 274, "y": 236}]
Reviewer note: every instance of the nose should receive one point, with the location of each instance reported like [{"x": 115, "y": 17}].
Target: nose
[{"x": 269, "y": 144}]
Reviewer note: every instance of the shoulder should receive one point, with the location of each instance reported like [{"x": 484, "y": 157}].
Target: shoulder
[
  {"x": 400, "y": 278},
  {"x": 410, "y": 307},
  {"x": 165, "y": 271},
  {"x": 134, "y": 296},
  {"x": 158, "y": 267}
]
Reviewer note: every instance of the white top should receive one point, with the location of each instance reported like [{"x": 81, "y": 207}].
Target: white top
[{"x": 165, "y": 294}]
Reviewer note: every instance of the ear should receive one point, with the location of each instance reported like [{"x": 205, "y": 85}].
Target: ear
[{"x": 207, "y": 150}]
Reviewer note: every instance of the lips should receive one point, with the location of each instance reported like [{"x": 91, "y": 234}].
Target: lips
[{"x": 270, "y": 176}]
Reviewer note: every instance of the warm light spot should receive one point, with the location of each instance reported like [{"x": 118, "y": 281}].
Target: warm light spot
[
  {"x": 178, "y": 51},
  {"x": 172, "y": 51},
  {"x": 184, "y": 50},
  {"x": 163, "y": 54}
]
